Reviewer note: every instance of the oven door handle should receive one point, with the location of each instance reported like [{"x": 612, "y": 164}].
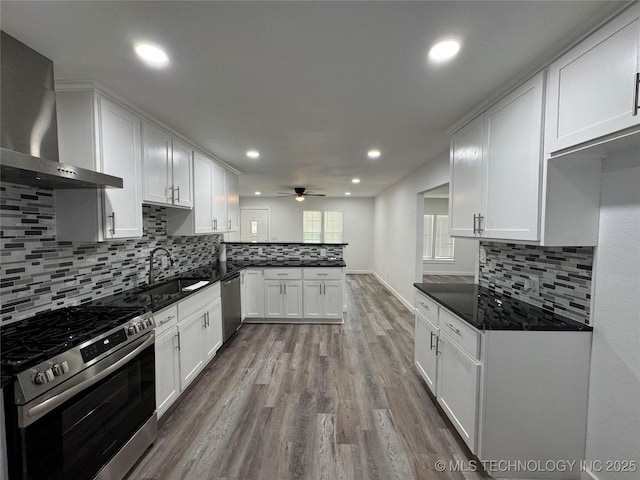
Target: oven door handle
[{"x": 33, "y": 413}]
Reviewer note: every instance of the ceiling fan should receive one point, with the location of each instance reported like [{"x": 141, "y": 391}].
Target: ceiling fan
[{"x": 300, "y": 194}]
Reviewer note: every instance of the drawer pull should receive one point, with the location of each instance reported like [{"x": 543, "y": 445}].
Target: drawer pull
[
  {"x": 322, "y": 274},
  {"x": 282, "y": 274},
  {"x": 162, "y": 322},
  {"x": 425, "y": 305},
  {"x": 457, "y": 330}
]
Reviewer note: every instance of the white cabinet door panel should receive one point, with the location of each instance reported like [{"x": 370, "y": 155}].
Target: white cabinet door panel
[
  {"x": 513, "y": 164},
  {"x": 167, "y": 370},
  {"x": 219, "y": 191},
  {"x": 333, "y": 293},
  {"x": 120, "y": 156},
  {"x": 156, "y": 164},
  {"x": 426, "y": 339},
  {"x": 592, "y": 87},
  {"x": 203, "y": 195},
  {"x": 292, "y": 298},
  {"x": 212, "y": 333},
  {"x": 273, "y": 307},
  {"x": 191, "y": 346},
  {"x": 233, "y": 202},
  {"x": 252, "y": 294},
  {"x": 313, "y": 299},
  {"x": 182, "y": 174},
  {"x": 458, "y": 388},
  {"x": 467, "y": 178}
]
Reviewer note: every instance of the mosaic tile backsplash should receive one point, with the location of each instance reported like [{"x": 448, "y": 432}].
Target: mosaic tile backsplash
[
  {"x": 565, "y": 275},
  {"x": 281, "y": 251},
  {"x": 40, "y": 273}
]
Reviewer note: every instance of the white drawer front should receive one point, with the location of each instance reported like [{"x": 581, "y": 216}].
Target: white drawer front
[
  {"x": 197, "y": 301},
  {"x": 323, "y": 274},
  {"x": 165, "y": 319},
  {"x": 461, "y": 332},
  {"x": 283, "y": 274},
  {"x": 427, "y": 307}
]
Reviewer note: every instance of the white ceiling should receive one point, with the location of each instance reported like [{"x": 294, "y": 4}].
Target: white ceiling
[{"x": 311, "y": 85}]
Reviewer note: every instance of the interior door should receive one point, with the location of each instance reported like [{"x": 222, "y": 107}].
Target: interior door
[{"x": 254, "y": 225}]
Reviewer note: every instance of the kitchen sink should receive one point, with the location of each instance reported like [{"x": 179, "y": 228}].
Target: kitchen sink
[{"x": 175, "y": 286}]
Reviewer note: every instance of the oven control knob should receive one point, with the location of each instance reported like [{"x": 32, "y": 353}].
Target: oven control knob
[
  {"x": 147, "y": 323},
  {"x": 139, "y": 326},
  {"x": 152, "y": 322},
  {"x": 44, "y": 376},
  {"x": 132, "y": 330},
  {"x": 60, "y": 368}
]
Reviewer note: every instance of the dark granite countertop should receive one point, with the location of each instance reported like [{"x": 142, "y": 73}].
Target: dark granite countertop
[
  {"x": 487, "y": 309},
  {"x": 213, "y": 272},
  {"x": 275, "y": 242}
]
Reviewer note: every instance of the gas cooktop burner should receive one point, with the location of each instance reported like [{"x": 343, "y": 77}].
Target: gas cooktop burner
[{"x": 31, "y": 341}]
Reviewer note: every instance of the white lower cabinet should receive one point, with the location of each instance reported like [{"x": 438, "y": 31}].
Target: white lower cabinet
[
  {"x": 212, "y": 333},
  {"x": 323, "y": 299},
  {"x": 252, "y": 294},
  {"x": 283, "y": 299},
  {"x": 512, "y": 395},
  {"x": 167, "y": 370},
  {"x": 458, "y": 387},
  {"x": 426, "y": 344}
]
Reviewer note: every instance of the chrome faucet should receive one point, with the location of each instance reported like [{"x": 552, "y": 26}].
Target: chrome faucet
[{"x": 152, "y": 276}]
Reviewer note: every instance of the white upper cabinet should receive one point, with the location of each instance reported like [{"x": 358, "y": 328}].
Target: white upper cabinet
[
  {"x": 167, "y": 168},
  {"x": 219, "y": 187},
  {"x": 233, "y": 201},
  {"x": 467, "y": 178},
  {"x": 98, "y": 134},
  {"x": 513, "y": 137},
  {"x": 593, "y": 88},
  {"x": 182, "y": 173},
  {"x": 495, "y": 169}
]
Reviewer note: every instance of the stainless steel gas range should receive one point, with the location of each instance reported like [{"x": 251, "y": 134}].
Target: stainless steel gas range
[{"x": 81, "y": 400}]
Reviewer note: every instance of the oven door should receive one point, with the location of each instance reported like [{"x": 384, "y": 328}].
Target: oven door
[{"x": 81, "y": 429}]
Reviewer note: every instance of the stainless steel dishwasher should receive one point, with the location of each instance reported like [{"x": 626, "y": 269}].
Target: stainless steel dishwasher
[{"x": 231, "y": 306}]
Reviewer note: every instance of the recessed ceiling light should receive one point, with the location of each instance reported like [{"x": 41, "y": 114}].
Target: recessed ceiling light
[
  {"x": 347, "y": 193},
  {"x": 355, "y": 180},
  {"x": 373, "y": 153},
  {"x": 152, "y": 55},
  {"x": 443, "y": 51},
  {"x": 253, "y": 154},
  {"x": 258, "y": 193}
]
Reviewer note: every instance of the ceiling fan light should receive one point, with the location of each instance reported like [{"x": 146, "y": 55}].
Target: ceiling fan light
[{"x": 299, "y": 198}]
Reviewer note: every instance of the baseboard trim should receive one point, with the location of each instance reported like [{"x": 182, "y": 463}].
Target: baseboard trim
[
  {"x": 453, "y": 274},
  {"x": 407, "y": 304},
  {"x": 359, "y": 272}
]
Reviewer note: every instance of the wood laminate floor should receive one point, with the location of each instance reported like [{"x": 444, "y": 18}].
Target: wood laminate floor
[{"x": 311, "y": 402}]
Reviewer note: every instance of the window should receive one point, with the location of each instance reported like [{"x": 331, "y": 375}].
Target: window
[
  {"x": 437, "y": 245},
  {"x": 311, "y": 226},
  {"x": 315, "y": 230}
]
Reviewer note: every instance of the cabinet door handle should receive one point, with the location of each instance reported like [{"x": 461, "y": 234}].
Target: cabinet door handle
[
  {"x": 480, "y": 219},
  {"x": 285, "y": 288},
  {"x": 113, "y": 222},
  {"x": 280, "y": 289},
  {"x": 425, "y": 305},
  {"x": 475, "y": 223},
  {"x": 229, "y": 223},
  {"x": 171, "y": 195},
  {"x": 215, "y": 224},
  {"x": 438, "y": 345},
  {"x": 320, "y": 289},
  {"x": 178, "y": 337},
  {"x": 456, "y": 330},
  {"x": 431, "y": 341},
  {"x": 636, "y": 107},
  {"x": 178, "y": 190}
]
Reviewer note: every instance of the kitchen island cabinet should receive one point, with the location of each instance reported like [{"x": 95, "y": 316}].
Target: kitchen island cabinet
[{"x": 506, "y": 400}]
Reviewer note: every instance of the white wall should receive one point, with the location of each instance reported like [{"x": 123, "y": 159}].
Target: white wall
[
  {"x": 397, "y": 212},
  {"x": 465, "y": 249},
  {"x": 613, "y": 423},
  {"x": 286, "y": 223}
]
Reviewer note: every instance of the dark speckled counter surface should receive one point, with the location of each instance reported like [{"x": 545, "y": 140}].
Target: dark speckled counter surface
[
  {"x": 487, "y": 309},
  {"x": 213, "y": 272}
]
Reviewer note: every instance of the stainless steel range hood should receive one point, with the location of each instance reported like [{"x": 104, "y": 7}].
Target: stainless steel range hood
[{"x": 29, "y": 133}]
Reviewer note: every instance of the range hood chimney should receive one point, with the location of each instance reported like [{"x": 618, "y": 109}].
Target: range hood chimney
[{"x": 28, "y": 128}]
